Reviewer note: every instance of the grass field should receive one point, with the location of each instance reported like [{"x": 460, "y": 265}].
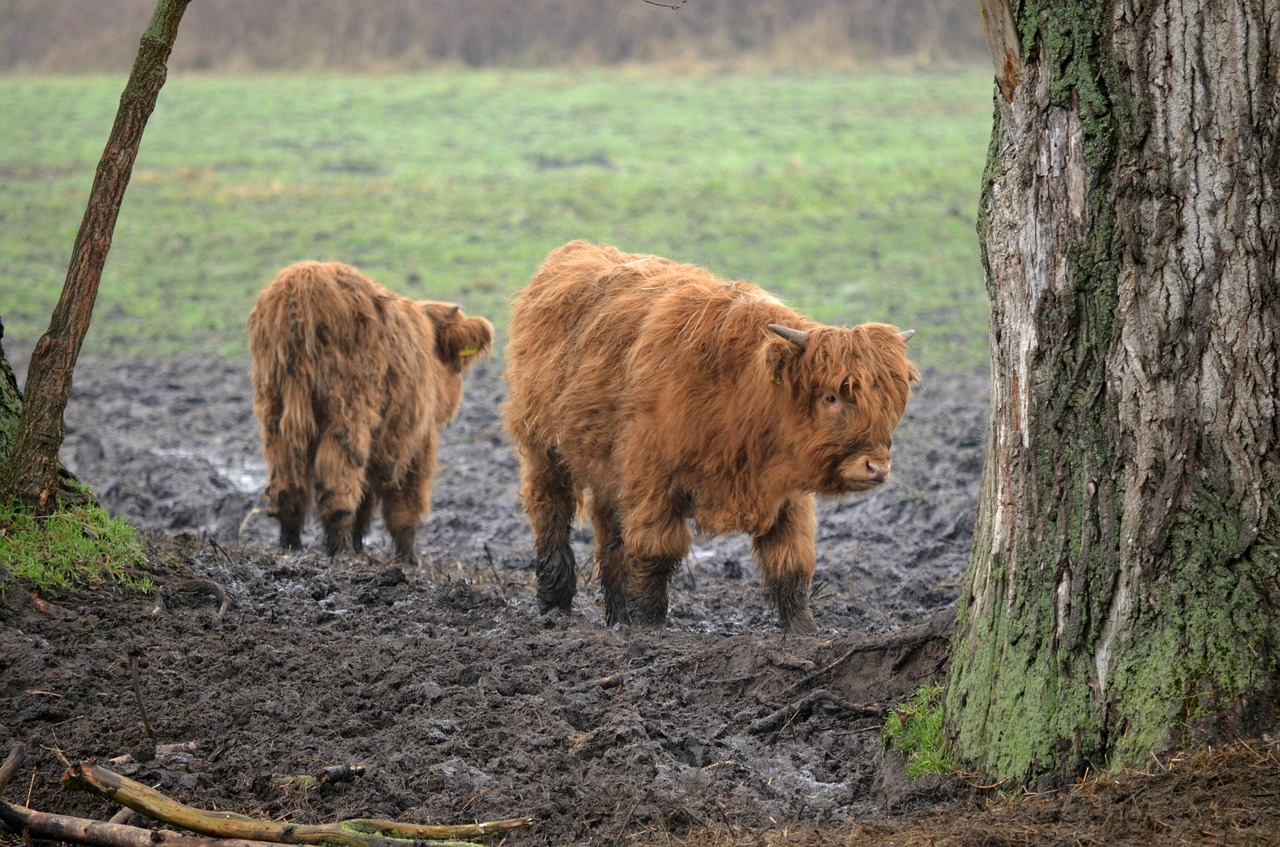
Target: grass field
[{"x": 851, "y": 196}]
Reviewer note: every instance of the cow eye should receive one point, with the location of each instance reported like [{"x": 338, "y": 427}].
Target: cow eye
[{"x": 831, "y": 399}]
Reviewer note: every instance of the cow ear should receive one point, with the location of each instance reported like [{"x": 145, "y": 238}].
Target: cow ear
[
  {"x": 798, "y": 337},
  {"x": 462, "y": 340},
  {"x": 479, "y": 335},
  {"x": 439, "y": 313}
]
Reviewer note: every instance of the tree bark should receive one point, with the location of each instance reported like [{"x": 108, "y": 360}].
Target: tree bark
[
  {"x": 10, "y": 404},
  {"x": 1120, "y": 598},
  {"x": 31, "y": 474}
]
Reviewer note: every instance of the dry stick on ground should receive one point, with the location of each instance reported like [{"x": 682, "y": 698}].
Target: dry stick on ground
[
  {"x": 185, "y": 586},
  {"x": 358, "y": 832},
  {"x": 205, "y": 586},
  {"x": 11, "y": 763},
  {"x": 134, "y": 653}
]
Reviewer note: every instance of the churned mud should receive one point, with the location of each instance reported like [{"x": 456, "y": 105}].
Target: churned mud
[{"x": 460, "y": 701}]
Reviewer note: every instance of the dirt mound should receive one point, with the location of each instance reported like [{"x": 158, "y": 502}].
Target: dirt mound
[{"x": 462, "y": 702}]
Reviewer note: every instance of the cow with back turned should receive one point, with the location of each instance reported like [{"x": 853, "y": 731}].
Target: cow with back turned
[{"x": 351, "y": 386}]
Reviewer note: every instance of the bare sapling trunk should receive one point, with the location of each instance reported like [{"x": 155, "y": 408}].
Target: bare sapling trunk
[{"x": 32, "y": 474}]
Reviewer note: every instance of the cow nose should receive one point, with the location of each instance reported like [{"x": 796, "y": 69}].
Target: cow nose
[{"x": 877, "y": 472}]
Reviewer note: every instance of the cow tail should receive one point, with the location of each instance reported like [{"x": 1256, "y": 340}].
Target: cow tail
[{"x": 282, "y": 343}]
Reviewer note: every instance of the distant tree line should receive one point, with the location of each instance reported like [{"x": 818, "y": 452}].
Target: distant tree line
[{"x": 79, "y": 36}]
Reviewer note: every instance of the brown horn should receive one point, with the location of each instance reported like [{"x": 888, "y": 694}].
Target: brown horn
[
  {"x": 906, "y": 334},
  {"x": 795, "y": 336}
]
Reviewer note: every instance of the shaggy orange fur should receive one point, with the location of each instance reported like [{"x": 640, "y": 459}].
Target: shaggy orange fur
[
  {"x": 665, "y": 393},
  {"x": 351, "y": 385}
]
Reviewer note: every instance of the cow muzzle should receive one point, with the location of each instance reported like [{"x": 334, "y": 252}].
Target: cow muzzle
[{"x": 862, "y": 473}]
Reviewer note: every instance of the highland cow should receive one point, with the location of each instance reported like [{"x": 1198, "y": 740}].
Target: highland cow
[
  {"x": 681, "y": 402},
  {"x": 351, "y": 386}
]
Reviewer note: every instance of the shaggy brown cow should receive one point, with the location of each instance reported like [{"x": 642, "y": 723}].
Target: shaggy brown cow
[
  {"x": 673, "y": 396},
  {"x": 351, "y": 385}
]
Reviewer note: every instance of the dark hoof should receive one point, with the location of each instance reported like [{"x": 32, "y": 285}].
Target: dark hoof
[
  {"x": 647, "y": 608},
  {"x": 800, "y": 624},
  {"x": 408, "y": 557},
  {"x": 557, "y": 572},
  {"x": 649, "y": 620},
  {"x": 616, "y": 612},
  {"x": 556, "y": 603},
  {"x": 337, "y": 543}
]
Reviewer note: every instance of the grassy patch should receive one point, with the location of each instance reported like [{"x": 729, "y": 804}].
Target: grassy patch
[
  {"x": 850, "y": 195},
  {"x": 914, "y": 729},
  {"x": 79, "y": 546}
]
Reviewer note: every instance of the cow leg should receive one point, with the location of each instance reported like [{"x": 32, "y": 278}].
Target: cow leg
[
  {"x": 614, "y": 578},
  {"x": 364, "y": 516},
  {"x": 340, "y": 465},
  {"x": 404, "y": 506},
  {"x": 657, "y": 540},
  {"x": 785, "y": 559},
  {"x": 289, "y": 507},
  {"x": 550, "y": 500},
  {"x": 288, "y": 485},
  {"x": 648, "y": 598}
]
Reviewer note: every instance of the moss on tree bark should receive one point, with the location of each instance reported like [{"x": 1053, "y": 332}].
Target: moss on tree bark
[{"x": 1121, "y": 592}]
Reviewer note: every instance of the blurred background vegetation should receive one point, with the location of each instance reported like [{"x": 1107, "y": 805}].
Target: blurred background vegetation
[
  {"x": 830, "y": 151},
  {"x": 78, "y": 36}
]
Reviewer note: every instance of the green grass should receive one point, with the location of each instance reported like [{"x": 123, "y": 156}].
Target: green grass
[
  {"x": 850, "y": 195},
  {"x": 77, "y": 546},
  {"x": 914, "y": 729}
]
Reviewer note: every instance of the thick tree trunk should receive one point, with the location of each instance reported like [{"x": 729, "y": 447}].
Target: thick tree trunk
[
  {"x": 31, "y": 474},
  {"x": 1121, "y": 594}
]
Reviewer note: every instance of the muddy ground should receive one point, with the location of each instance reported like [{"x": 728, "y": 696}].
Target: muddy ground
[{"x": 460, "y": 701}]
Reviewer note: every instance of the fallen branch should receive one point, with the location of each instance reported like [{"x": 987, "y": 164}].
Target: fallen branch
[
  {"x": 47, "y": 827},
  {"x": 357, "y": 832},
  {"x": 785, "y": 715},
  {"x": 42, "y": 825},
  {"x": 11, "y": 763}
]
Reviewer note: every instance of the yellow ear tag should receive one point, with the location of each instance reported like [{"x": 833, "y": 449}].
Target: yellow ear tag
[{"x": 469, "y": 350}]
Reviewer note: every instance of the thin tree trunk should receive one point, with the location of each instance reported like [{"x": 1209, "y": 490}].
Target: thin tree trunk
[
  {"x": 1121, "y": 593},
  {"x": 31, "y": 474}
]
